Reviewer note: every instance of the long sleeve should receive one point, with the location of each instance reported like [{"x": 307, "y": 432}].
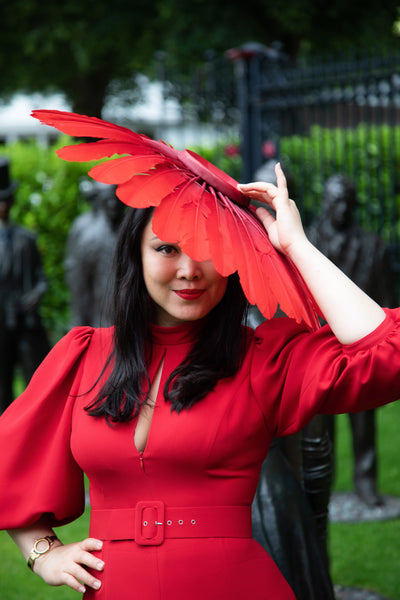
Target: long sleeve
[
  {"x": 296, "y": 374},
  {"x": 38, "y": 473}
]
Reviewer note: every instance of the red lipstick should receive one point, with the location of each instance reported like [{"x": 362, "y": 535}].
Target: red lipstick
[{"x": 189, "y": 294}]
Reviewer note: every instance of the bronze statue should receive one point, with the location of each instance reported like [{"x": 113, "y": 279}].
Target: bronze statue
[
  {"x": 292, "y": 497},
  {"x": 23, "y": 340},
  {"x": 290, "y": 508},
  {"x": 309, "y": 453},
  {"x": 364, "y": 257},
  {"x": 89, "y": 255}
]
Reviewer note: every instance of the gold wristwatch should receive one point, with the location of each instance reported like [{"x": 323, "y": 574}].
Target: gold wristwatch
[{"x": 40, "y": 547}]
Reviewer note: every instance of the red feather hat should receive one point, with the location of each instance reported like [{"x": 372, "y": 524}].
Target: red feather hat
[{"x": 197, "y": 206}]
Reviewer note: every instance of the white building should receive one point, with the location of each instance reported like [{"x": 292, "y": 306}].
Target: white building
[{"x": 156, "y": 116}]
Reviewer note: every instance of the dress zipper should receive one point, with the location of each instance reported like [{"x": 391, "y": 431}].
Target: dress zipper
[{"x": 141, "y": 458}]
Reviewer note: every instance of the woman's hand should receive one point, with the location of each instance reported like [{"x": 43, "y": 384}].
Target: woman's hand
[
  {"x": 285, "y": 229},
  {"x": 67, "y": 565},
  {"x": 348, "y": 310}
]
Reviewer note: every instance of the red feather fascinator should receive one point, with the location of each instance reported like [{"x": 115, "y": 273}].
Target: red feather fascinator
[{"x": 196, "y": 205}]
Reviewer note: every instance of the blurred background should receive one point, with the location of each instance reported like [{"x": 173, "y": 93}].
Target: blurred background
[{"x": 314, "y": 85}]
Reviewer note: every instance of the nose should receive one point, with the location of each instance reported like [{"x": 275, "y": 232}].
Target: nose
[{"x": 188, "y": 268}]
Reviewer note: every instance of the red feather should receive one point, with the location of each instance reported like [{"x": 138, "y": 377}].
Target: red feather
[
  {"x": 122, "y": 169},
  {"x": 182, "y": 217},
  {"x": 104, "y": 148},
  {"x": 83, "y": 126},
  {"x": 150, "y": 188},
  {"x": 80, "y": 125},
  {"x": 197, "y": 206}
]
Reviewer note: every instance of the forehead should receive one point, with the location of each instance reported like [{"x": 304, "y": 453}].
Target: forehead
[
  {"x": 149, "y": 236},
  {"x": 148, "y": 233}
]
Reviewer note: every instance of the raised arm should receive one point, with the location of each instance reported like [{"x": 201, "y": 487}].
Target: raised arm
[{"x": 350, "y": 313}]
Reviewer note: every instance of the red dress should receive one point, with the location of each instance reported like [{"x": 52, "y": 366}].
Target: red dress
[{"x": 194, "y": 463}]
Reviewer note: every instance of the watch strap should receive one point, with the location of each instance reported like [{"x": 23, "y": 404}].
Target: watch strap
[{"x": 48, "y": 541}]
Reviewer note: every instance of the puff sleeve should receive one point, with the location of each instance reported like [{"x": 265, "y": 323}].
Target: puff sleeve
[
  {"x": 38, "y": 474},
  {"x": 296, "y": 374}
]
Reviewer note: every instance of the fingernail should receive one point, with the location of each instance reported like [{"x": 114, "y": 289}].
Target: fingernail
[
  {"x": 97, "y": 584},
  {"x": 82, "y": 589},
  {"x": 100, "y": 564},
  {"x": 99, "y": 545}
]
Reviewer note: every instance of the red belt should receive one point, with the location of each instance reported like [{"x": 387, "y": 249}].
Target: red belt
[{"x": 150, "y": 522}]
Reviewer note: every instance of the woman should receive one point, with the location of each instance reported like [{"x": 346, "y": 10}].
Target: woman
[{"x": 173, "y": 430}]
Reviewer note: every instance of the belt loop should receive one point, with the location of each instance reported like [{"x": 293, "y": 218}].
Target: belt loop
[{"x": 149, "y": 523}]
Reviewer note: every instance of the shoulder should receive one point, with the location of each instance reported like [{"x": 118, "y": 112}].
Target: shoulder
[
  {"x": 277, "y": 331},
  {"x": 84, "y": 337},
  {"x": 24, "y": 234},
  {"x": 80, "y": 340},
  {"x": 81, "y": 347},
  {"x": 274, "y": 340}
]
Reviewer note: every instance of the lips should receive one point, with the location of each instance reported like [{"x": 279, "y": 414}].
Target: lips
[{"x": 189, "y": 294}]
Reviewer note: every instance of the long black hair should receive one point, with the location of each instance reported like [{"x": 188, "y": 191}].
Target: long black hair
[{"x": 216, "y": 353}]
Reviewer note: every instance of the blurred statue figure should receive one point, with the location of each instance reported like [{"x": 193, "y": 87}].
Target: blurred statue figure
[
  {"x": 365, "y": 258},
  {"x": 309, "y": 453},
  {"x": 89, "y": 255},
  {"x": 23, "y": 340},
  {"x": 290, "y": 507}
]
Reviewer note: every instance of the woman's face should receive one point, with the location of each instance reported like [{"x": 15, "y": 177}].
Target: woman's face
[{"x": 181, "y": 288}]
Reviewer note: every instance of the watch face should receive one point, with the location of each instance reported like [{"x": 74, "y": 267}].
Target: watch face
[{"x": 40, "y": 547}]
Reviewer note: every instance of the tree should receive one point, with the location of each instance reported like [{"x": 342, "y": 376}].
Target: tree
[
  {"x": 76, "y": 46},
  {"x": 300, "y": 25},
  {"x": 82, "y": 47}
]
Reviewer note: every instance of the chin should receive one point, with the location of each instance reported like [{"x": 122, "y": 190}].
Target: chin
[
  {"x": 179, "y": 317},
  {"x": 191, "y": 316}
]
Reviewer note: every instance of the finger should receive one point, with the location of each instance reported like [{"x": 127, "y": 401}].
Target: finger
[
  {"x": 91, "y": 544},
  {"x": 83, "y": 576},
  {"x": 280, "y": 178},
  {"x": 252, "y": 184},
  {"x": 257, "y": 187},
  {"x": 265, "y": 216},
  {"x": 74, "y": 584},
  {"x": 90, "y": 561},
  {"x": 261, "y": 191}
]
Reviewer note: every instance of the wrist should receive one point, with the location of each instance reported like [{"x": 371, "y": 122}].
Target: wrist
[
  {"x": 299, "y": 249},
  {"x": 41, "y": 547}
]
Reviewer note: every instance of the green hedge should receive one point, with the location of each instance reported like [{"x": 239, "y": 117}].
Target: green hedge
[
  {"x": 46, "y": 201},
  {"x": 368, "y": 154}
]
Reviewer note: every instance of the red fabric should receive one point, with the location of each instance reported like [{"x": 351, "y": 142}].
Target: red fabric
[{"x": 209, "y": 455}]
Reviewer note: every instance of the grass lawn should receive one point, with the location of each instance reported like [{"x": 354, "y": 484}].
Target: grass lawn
[
  {"x": 362, "y": 555},
  {"x": 367, "y": 555},
  {"x": 18, "y": 583}
]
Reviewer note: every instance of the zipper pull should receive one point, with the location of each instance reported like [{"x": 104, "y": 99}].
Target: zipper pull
[{"x": 141, "y": 459}]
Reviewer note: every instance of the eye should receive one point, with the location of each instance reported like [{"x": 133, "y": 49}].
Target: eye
[{"x": 167, "y": 250}]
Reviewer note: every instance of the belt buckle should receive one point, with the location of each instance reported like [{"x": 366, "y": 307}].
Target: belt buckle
[{"x": 149, "y": 523}]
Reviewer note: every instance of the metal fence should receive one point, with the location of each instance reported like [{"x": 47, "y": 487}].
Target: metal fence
[
  {"x": 333, "y": 115},
  {"x": 338, "y": 114},
  {"x": 206, "y": 96}
]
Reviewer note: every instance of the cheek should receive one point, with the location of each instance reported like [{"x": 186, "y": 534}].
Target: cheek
[
  {"x": 220, "y": 287},
  {"x": 154, "y": 272}
]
